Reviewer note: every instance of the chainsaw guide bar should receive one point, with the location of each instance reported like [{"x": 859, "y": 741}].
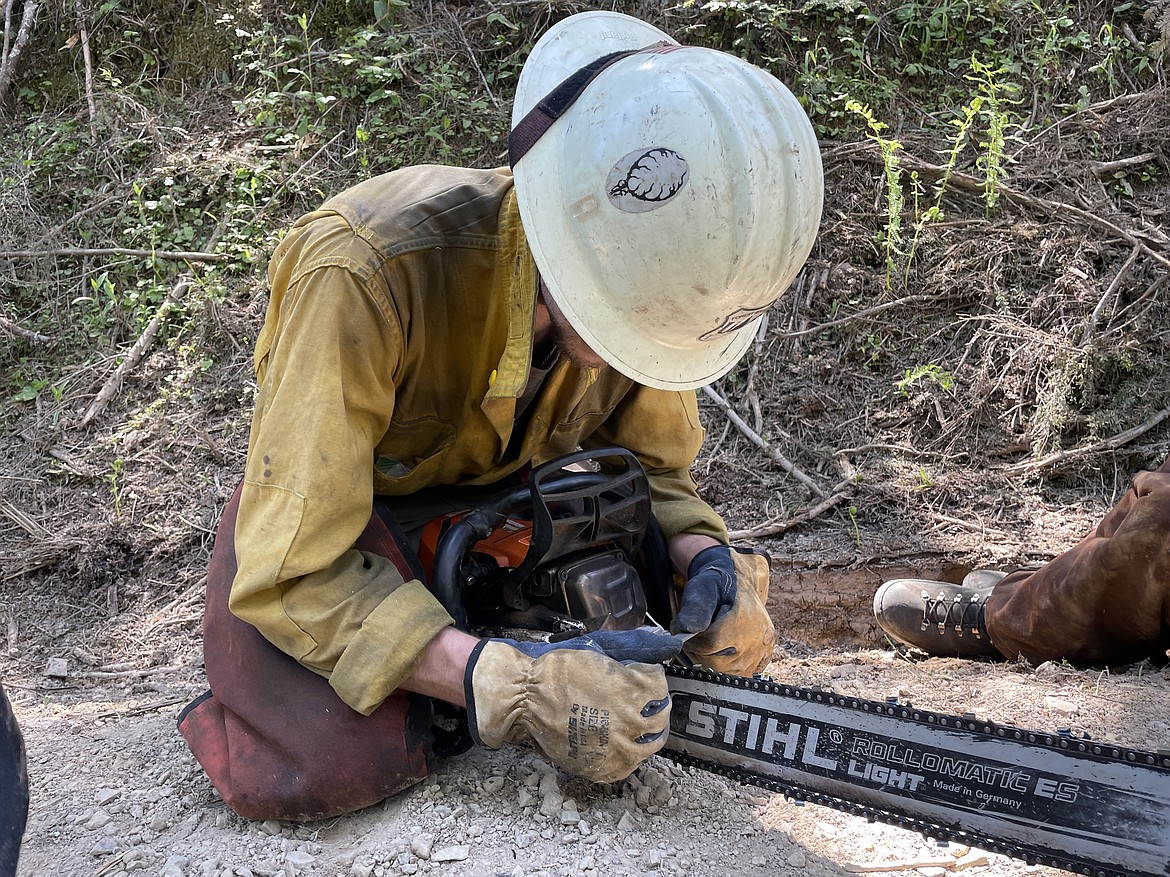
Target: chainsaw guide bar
[{"x": 1051, "y": 799}]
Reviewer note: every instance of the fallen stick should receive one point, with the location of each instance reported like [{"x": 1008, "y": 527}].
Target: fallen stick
[
  {"x": 135, "y": 354},
  {"x": 969, "y": 183},
  {"x": 8, "y": 326},
  {"x": 140, "y": 710},
  {"x": 86, "y": 252},
  {"x": 12, "y": 54},
  {"x": 1110, "y": 444},
  {"x": 760, "y": 442},
  {"x": 841, "y": 492}
]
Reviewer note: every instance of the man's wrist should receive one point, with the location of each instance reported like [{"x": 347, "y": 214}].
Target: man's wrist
[
  {"x": 685, "y": 546},
  {"x": 441, "y": 667}
]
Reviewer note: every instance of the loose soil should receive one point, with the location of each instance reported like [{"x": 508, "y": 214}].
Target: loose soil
[{"x": 115, "y": 791}]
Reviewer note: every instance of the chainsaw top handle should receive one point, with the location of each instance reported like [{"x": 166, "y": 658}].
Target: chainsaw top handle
[{"x": 569, "y": 509}]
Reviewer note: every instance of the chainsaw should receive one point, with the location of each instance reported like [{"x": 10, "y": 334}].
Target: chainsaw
[{"x": 576, "y": 549}]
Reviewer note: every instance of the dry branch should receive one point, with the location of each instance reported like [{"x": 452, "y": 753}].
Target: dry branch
[
  {"x": 83, "y": 32},
  {"x": 1109, "y": 444},
  {"x": 1109, "y": 293},
  {"x": 1108, "y": 168},
  {"x": 762, "y": 443},
  {"x": 85, "y": 252},
  {"x": 841, "y": 492},
  {"x": 12, "y": 55},
  {"x": 868, "y": 312},
  {"x": 135, "y": 354},
  {"x": 1146, "y": 239},
  {"x": 1043, "y": 205},
  {"x": 14, "y": 329}
]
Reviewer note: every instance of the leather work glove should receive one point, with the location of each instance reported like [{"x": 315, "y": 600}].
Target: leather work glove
[
  {"x": 596, "y": 705},
  {"x": 724, "y": 604}
]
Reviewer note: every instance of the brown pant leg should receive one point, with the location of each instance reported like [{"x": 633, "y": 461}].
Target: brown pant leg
[
  {"x": 1104, "y": 601},
  {"x": 274, "y": 738}
]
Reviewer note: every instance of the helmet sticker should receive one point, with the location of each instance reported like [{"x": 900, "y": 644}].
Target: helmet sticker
[
  {"x": 647, "y": 178},
  {"x": 735, "y": 321}
]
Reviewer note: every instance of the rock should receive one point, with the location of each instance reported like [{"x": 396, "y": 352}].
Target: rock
[
  {"x": 270, "y": 827},
  {"x": 570, "y": 817},
  {"x": 158, "y": 821},
  {"x": 363, "y": 866},
  {"x": 1060, "y": 705},
  {"x": 105, "y": 796},
  {"x": 524, "y": 797},
  {"x": 457, "y": 853},
  {"x": 551, "y": 804},
  {"x": 797, "y": 859},
  {"x": 654, "y": 859},
  {"x": 107, "y": 846},
  {"x": 422, "y": 845},
  {"x": 492, "y": 785},
  {"x": 174, "y": 866},
  {"x": 548, "y": 784},
  {"x": 99, "y": 819},
  {"x": 57, "y": 668},
  {"x": 627, "y": 822},
  {"x": 299, "y": 859}
]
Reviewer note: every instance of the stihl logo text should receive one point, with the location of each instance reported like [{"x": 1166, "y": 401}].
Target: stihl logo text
[{"x": 788, "y": 740}]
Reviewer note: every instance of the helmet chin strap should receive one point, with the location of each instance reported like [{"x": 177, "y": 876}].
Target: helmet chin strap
[{"x": 553, "y": 105}]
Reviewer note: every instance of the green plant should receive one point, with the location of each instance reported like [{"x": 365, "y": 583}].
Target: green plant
[
  {"x": 995, "y": 95},
  {"x": 891, "y": 239},
  {"x": 113, "y": 479},
  {"x": 853, "y": 524},
  {"x": 937, "y": 374},
  {"x": 925, "y": 482},
  {"x": 893, "y": 54}
]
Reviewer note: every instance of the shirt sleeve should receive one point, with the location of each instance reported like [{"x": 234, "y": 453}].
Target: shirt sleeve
[
  {"x": 662, "y": 429},
  {"x": 325, "y": 366}
]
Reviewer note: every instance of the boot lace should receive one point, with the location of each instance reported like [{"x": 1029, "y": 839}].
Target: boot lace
[{"x": 963, "y": 615}]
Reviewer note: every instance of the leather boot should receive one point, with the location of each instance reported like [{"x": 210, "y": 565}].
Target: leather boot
[
  {"x": 939, "y": 618},
  {"x": 1104, "y": 601}
]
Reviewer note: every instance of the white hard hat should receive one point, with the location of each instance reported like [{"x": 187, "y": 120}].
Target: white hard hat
[{"x": 668, "y": 199}]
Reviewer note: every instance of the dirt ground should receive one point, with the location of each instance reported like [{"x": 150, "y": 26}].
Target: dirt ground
[{"x": 115, "y": 791}]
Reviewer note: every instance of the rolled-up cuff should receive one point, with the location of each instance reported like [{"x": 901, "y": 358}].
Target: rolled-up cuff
[{"x": 386, "y": 650}]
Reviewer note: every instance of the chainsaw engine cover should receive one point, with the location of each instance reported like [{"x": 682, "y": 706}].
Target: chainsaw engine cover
[{"x": 559, "y": 555}]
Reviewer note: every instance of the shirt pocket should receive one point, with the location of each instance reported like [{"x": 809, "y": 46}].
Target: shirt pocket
[
  {"x": 571, "y": 431},
  {"x": 411, "y": 451}
]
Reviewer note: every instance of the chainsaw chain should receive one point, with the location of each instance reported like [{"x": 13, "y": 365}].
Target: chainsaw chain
[{"x": 907, "y": 712}]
